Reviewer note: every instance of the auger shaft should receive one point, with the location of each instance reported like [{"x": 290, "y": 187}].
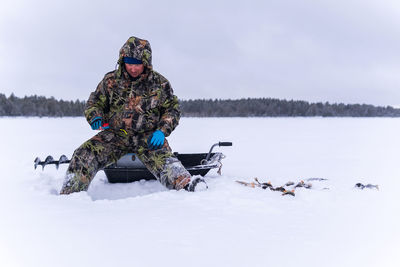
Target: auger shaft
[{"x": 49, "y": 160}]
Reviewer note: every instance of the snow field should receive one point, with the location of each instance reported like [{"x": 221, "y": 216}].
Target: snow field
[{"x": 143, "y": 224}]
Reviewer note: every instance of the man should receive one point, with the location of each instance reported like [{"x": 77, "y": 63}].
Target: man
[{"x": 136, "y": 109}]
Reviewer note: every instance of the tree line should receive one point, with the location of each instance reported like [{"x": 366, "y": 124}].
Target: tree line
[
  {"x": 250, "y": 107},
  {"x": 269, "y": 107},
  {"x": 39, "y": 106}
]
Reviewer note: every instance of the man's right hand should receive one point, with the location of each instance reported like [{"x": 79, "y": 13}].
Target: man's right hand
[{"x": 96, "y": 123}]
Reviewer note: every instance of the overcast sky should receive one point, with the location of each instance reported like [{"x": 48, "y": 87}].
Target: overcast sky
[{"x": 337, "y": 51}]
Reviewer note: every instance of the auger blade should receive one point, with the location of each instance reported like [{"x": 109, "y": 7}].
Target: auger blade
[
  {"x": 48, "y": 160},
  {"x": 36, "y": 162},
  {"x": 63, "y": 159}
]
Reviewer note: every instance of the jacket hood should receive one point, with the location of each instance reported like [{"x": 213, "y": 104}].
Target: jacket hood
[{"x": 136, "y": 48}]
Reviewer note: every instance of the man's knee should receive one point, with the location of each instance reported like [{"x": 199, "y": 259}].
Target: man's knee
[
  {"x": 89, "y": 154},
  {"x": 173, "y": 174}
]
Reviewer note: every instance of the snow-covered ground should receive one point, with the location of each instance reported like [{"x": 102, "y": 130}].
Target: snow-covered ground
[{"x": 143, "y": 224}]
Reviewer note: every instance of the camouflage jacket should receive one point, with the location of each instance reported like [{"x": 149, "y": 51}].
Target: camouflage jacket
[{"x": 136, "y": 105}]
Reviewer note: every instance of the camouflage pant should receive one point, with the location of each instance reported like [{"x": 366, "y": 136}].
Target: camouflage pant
[{"x": 108, "y": 146}]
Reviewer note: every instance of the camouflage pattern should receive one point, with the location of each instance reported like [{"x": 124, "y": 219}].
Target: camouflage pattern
[
  {"x": 136, "y": 48},
  {"x": 108, "y": 146},
  {"x": 134, "y": 109},
  {"x": 136, "y": 105}
]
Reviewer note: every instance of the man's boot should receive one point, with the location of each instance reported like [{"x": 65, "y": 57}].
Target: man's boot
[{"x": 196, "y": 185}]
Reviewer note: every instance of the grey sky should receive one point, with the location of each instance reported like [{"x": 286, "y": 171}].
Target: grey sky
[{"x": 336, "y": 51}]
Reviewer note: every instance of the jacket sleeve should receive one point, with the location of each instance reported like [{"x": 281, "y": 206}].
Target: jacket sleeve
[
  {"x": 170, "y": 110},
  {"x": 97, "y": 104}
]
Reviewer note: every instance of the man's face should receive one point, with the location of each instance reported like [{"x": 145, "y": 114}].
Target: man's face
[{"x": 134, "y": 69}]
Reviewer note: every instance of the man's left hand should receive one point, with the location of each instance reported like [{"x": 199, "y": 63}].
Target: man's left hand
[{"x": 156, "y": 140}]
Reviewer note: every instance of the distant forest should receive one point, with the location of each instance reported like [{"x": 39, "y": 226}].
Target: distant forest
[{"x": 250, "y": 107}]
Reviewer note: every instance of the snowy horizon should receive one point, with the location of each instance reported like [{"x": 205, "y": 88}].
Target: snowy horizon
[{"x": 280, "y": 99}]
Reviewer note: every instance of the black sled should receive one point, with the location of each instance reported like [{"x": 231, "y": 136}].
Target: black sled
[{"x": 130, "y": 169}]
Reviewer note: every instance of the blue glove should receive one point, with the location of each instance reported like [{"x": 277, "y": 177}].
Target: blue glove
[
  {"x": 156, "y": 140},
  {"x": 96, "y": 123}
]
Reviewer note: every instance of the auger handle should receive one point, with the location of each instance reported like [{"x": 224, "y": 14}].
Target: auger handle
[
  {"x": 225, "y": 143},
  {"x": 217, "y": 144}
]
